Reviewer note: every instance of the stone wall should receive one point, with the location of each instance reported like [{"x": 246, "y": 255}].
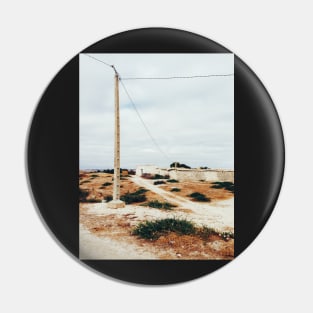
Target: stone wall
[
  {"x": 206, "y": 175},
  {"x": 187, "y": 174}
]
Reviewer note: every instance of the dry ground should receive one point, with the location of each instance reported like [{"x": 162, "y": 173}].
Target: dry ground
[
  {"x": 203, "y": 187},
  {"x": 106, "y": 233},
  {"x": 93, "y": 183}
]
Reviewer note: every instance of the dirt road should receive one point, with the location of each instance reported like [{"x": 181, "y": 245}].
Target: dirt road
[{"x": 218, "y": 215}]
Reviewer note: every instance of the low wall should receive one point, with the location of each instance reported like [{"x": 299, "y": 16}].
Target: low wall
[
  {"x": 206, "y": 175},
  {"x": 187, "y": 174}
]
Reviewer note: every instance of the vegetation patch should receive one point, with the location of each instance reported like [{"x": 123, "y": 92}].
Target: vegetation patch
[
  {"x": 160, "y": 205},
  {"x": 83, "y": 194},
  {"x": 86, "y": 181},
  {"x": 154, "y": 229},
  {"x": 197, "y": 196},
  {"x": 135, "y": 197},
  {"x": 154, "y": 176},
  {"x": 106, "y": 184},
  {"x": 205, "y": 232},
  {"x": 179, "y": 165},
  {"x": 159, "y": 182},
  {"x": 94, "y": 175},
  {"x": 108, "y": 198},
  {"x": 224, "y": 185},
  {"x": 172, "y": 181},
  {"x": 226, "y": 235},
  {"x": 140, "y": 191},
  {"x": 158, "y": 176},
  {"x": 175, "y": 189}
]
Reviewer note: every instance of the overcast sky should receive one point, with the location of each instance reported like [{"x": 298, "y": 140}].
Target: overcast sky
[{"x": 192, "y": 120}]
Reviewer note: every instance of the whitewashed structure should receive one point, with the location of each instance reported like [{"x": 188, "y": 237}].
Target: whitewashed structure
[
  {"x": 151, "y": 169},
  {"x": 184, "y": 174}
]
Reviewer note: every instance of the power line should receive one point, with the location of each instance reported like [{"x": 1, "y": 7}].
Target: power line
[
  {"x": 142, "y": 121},
  {"x": 151, "y": 78},
  {"x": 178, "y": 77},
  {"x": 133, "y": 104},
  {"x": 158, "y": 78},
  {"x": 107, "y": 64}
]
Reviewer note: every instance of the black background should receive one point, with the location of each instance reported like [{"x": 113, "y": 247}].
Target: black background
[{"x": 53, "y": 155}]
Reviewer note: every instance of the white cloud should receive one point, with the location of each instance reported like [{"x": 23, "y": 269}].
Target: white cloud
[{"x": 192, "y": 120}]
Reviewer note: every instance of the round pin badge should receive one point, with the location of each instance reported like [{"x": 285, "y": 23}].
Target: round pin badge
[{"x": 155, "y": 156}]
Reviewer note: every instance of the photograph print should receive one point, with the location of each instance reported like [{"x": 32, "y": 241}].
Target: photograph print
[{"x": 156, "y": 156}]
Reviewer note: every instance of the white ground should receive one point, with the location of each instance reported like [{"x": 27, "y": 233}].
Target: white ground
[
  {"x": 101, "y": 248},
  {"x": 219, "y": 215}
]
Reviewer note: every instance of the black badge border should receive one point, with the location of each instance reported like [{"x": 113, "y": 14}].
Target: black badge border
[{"x": 53, "y": 155}]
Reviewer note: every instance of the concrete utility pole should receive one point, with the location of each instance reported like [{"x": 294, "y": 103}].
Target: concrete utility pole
[{"x": 116, "y": 202}]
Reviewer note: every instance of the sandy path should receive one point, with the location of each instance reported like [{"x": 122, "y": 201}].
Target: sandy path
[
  {"x": 218, "y": 215},
  {"x": 101, "y": 248}
]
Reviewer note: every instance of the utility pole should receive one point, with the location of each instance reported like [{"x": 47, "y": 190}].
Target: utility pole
[{"x": 116, "y": 202}]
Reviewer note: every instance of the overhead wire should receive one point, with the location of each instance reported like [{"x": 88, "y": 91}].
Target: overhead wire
[
  {"x": 177, "y": 77},
  {"x": 107, "y": 64},
  {"x": 158, "y": 78},
  {"x": 151, "y": 78},
  {"x": 142, "y": 121}
]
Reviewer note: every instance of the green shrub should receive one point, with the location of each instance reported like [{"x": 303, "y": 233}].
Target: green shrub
[
  {"x": 106, "y": 184},
  {"x": 86, "y": 181},
  {"x": 140, "y": 191},
  {"x": 226, "y": 235},
  {"x": 197, "y": 196},
  {"x": 154, "y": 229},
  {"x": 108, "y": 171},
  {"x": 175, "y": 189},
  {"x": 159, "y": 182},
  {"x": 134, "y": 197},
  {"x": 224, "y": 185},
  {"x": 177, "y": 164},
  {"x": 205, "y": 232},
  {"x": 154, "y": 176},
  {"x": 160, "y": 205},
  {"x": 83, "y": 194},
  {"x": 158, "y": 176},
  {"x": 172, "y": 181},
  {"x": 94, "y": 175},
  {"x": 108, "y": 198}
]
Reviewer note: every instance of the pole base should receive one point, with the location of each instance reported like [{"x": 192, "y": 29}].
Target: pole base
[{"x": 116, "y": 204}]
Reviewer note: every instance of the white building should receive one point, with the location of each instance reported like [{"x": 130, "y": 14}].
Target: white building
[
  {"x": 184, "y": 174},
  {"x": 150, "y": 169}
]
